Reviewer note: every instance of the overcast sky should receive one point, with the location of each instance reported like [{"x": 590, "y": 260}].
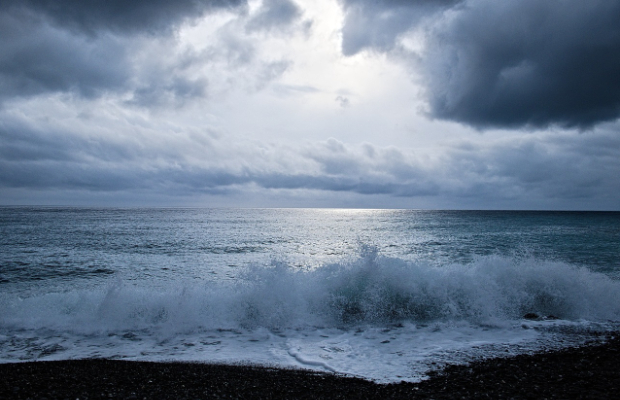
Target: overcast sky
[{"x": 475, "y": 104}]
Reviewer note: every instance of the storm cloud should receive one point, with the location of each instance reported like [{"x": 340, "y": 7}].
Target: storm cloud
[
  {"x": 509, "y": 64},
  {"x": 136, "y": 16},
  {"x": 90, "y": 47},
  {"x": 527, "y": 63},
  {"x": 36, "y": 58}
]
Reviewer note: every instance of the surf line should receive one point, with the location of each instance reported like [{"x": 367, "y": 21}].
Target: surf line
[{"x": 310, "y": 363}]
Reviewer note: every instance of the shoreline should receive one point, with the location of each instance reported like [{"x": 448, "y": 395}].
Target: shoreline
[{"x": 589, "y": 371}]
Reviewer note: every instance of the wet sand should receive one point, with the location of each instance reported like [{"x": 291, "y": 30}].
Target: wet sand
[{"x": 587, "y": 372}]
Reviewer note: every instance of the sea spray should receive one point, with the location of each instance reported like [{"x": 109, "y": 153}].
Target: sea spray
[
  {"x": 380, "y": 317},
  {"x": 371, "y": 290}
]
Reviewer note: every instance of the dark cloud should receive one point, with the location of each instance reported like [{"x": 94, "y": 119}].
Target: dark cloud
[
  {"x": 376, "y": 24},
  {"x": 511, "y": 64},
  {"x": 23, "y": 142},
  {"x": 526, "y": 63},
  {"x": 557, "y": 168},
  {"x": 36, "y": 58},
  {"x": 87, "y": 46},
  {"x": 274, "y": 14},
  {"x": 90, "y": 16}
]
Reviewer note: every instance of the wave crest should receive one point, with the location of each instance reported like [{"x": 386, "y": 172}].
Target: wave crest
[{"x": 371, "y": 289}]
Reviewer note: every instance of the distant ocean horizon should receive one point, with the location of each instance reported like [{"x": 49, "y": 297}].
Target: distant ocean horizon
[{"x": 385, "y": 294}]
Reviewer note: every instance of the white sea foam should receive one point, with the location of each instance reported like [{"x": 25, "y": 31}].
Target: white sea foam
[{"x": 382, "y": 318}]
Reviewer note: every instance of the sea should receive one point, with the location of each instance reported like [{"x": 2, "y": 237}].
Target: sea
[{"x": 386, "y": 295}]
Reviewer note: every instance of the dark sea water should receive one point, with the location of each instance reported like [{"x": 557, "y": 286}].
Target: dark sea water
[{"x": 383, "y": 294}]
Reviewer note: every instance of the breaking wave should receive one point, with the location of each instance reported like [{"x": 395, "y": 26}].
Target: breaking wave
[{"x": 371, "y": 290}]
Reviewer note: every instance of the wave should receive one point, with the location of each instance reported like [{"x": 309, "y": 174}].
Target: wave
[{"x": 370, "y": 290}]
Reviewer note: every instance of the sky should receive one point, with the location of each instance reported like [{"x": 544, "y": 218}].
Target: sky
[{"x": 427, "y": 104}]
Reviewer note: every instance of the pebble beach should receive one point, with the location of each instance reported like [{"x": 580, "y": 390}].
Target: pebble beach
[{"x": 587, "y": 372}]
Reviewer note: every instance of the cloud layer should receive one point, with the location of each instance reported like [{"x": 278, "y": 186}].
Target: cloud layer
[
  {"x": 537, "y": 171},
  {"x": 332, "y": 103}
]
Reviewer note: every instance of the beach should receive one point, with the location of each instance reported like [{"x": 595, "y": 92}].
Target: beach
[{"x": 589, "y": 372}]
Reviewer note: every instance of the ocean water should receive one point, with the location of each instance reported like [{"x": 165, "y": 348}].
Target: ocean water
[{"x": 382, "y": 294}]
